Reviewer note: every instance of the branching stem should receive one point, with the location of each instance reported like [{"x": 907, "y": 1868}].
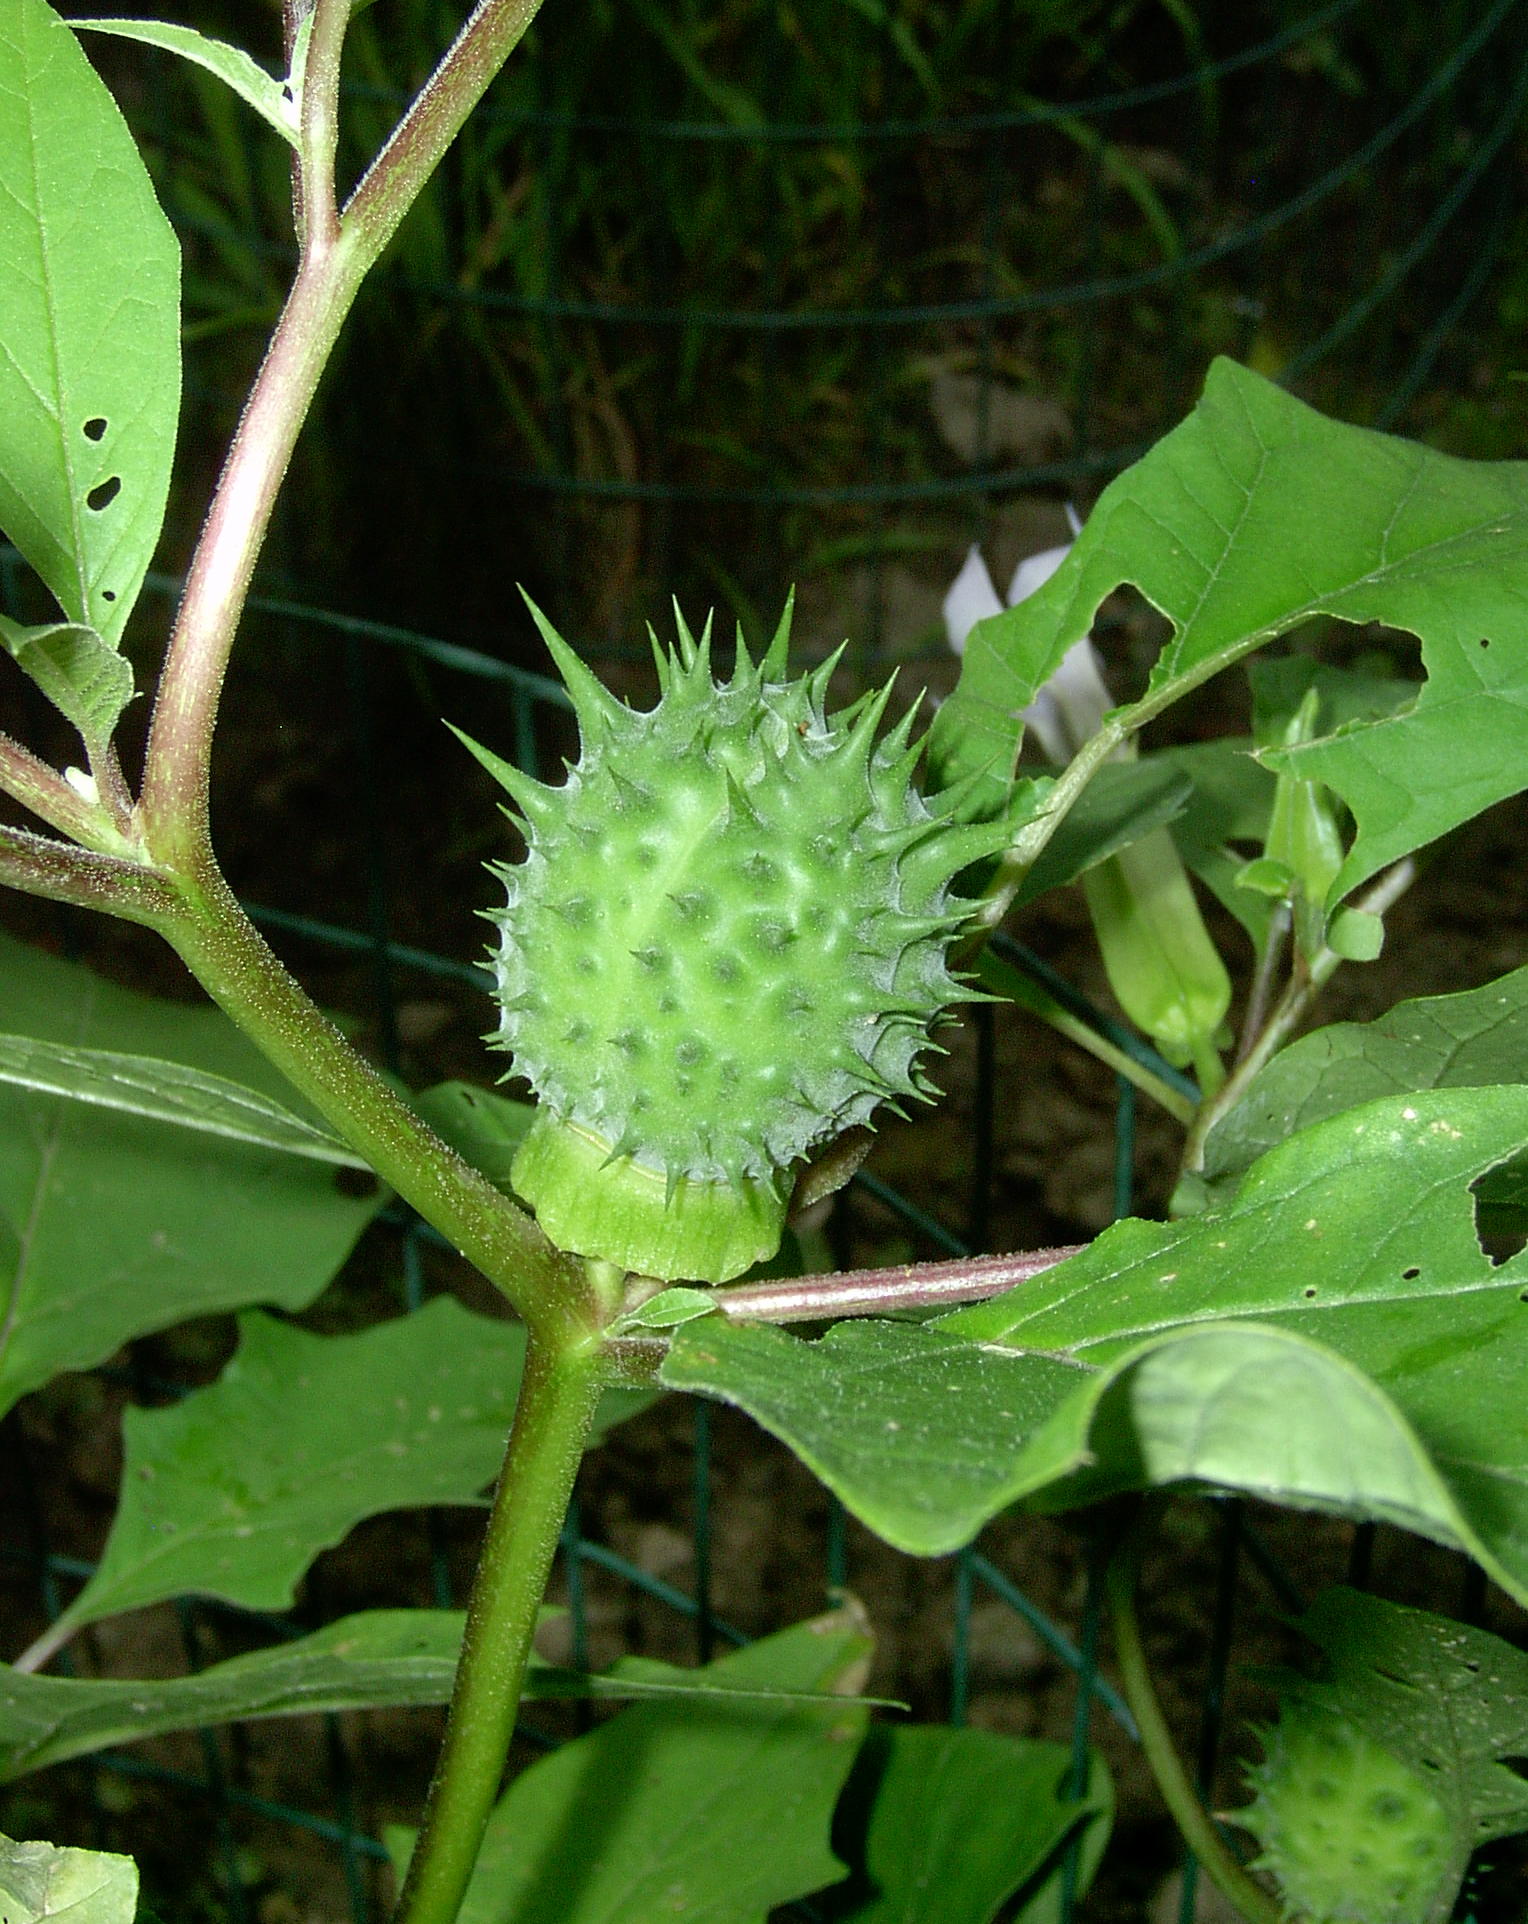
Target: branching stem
[
  {"x": 29, "y": 780},
  {"x": 174, "y": 800},
  {"x": 1305, "y": 984}
]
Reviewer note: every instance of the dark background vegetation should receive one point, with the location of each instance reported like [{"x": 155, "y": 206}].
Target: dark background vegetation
[{"x": 713, "y": 299}]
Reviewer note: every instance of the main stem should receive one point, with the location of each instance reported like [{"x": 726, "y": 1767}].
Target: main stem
[{"x": 552, "y": 1418}]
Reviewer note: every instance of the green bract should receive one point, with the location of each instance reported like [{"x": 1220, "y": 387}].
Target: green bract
[
  {"x": 1351, "y": 1835},
  {"x": 727, "y": 945}
]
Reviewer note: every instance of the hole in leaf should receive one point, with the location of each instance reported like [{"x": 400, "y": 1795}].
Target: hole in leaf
[
  {"x": 1310, "y": 1290},
  {"x": 1500, "y": 1198},
  {"x": 95, "y": 427},
  {"x": 108, "y": 594},
  {"x": 1410, "y": 1275},
  {"x": 104, "y": 493}
]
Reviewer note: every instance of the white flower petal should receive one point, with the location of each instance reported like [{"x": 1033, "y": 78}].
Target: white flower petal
[
  {"x": 1044, "y": 718},
  {"x": 1035, "y": 571},
  {"x": 1067, "y": 711},
  {"x": 972, "y": 598}
]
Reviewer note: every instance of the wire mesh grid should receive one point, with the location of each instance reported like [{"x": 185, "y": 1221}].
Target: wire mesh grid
[
  {"x": 1450, "y": 126},
  {"x": 682, "y": 334}
]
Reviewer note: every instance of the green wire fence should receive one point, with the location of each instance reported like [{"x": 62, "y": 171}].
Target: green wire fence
[{"x": 1350, "y": 253}]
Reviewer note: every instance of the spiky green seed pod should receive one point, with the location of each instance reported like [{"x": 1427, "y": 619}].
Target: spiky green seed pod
[
  {"x": 726, "y": 945},
  {"x": 1351, "y": 1835}
]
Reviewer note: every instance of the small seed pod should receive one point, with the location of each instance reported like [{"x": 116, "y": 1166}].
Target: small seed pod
[
  {"x": 726, "y": 946},
  {"x": 1351, "y": 1835}
]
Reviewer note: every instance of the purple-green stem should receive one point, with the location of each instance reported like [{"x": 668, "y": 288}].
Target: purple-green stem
[
  {"x": 872, "y": 1292},
  {"x": 338, "y": 250},
  {"x": 231, "y": 960}
]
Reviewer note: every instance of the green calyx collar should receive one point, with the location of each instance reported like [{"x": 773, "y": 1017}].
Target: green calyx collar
[{"x": 610, "y": 1206}]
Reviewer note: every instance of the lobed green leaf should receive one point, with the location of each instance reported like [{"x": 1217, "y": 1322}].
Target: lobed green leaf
[
  {"x": 377, "y": 1657},
  {"x": 270, "y": 98},
  {"x": 1466, "y": 1041},
  {"x": 952, "y": 1824},
  {"x": 41, "y": 1881},
  {"x": 233, "y": 1491},
  {"x": 83, "y": 676},
  {"x": 1448, "y": 1700},
  {"x": 158, "y": 1091},
  {"x": 1124, "y": 802}
]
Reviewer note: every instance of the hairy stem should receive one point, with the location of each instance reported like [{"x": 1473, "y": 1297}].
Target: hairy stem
[
  {"x": 319, "y": 132},
  {"x": 174, "y": 801},
  {"x": 231, "y": 960},
  {"x": 38, "y": 865},
  {"x": 29, "y": 780},
  {"x": 391, "y": 184},
  {"x": 1198, "y": 1827},
  {"x": 557, "y": 1399},
  {"x": 872, "y": 1292}
]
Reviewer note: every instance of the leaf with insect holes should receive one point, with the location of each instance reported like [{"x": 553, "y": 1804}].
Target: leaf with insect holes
[
  {"x": 1257, "y": 514},
  {"x": 968, "y": 1814},
  {"x": 375, "y": 1657},
  {"x": 113, "y": 1224},
  {"x": 42, "y": 1881},
  {"x": 85, "y": 678},
  {"x": 220, "y": 1500},
  {"x": 89, "y": 328},
  {"x": 670, "y": 1802},
  {"x": 1331, "y": 1337}
]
